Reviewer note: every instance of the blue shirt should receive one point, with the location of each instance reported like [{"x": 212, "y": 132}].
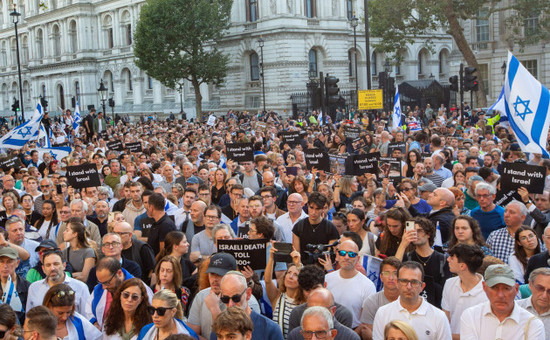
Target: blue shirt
[
  {"x": 422, "y": 206},
  {"x": 264, "y": 329},
  {"x": 489, "y": 221}
]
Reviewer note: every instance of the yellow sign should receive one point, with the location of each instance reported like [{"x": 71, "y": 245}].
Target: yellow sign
[{"x": 370, "y": 100}]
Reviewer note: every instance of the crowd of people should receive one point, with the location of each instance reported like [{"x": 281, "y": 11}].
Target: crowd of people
[{"x": 439, "y": 252}]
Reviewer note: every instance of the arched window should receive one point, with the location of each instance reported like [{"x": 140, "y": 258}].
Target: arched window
[
  {"x": 4, "y": 55},
  {"x": 108, "y": 32},
  {"x": 312, "y": 57},
  {"x": 254, "y": 67},
  {"x": 56, "y": 41},
  {"x": 39, "y": 44},
  {"x": 73, "y": 37},
  {"x": 149, "y": 83},
  {"x": 127, "y": 77},
  {"x": 423, "y": 62},
  {"x": 25, "y": 50},
  {"x": 126, "y": 25},
  {"x": 443, "y": 61},
  {"x": 108, "y": 80},
  {"x": 252, "y": 10}
]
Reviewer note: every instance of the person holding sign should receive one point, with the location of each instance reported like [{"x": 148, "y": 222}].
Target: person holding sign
[{"x": 289, "y": 294}]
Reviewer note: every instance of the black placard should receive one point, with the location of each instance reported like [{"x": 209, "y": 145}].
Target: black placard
[
  {"x": 400, "y": 145},
  {"x": 517, "y": 175},
  {"x": 315, "y": 158},
  {"x": 352, "y": 132},
  {"x": 240, "y": 152},
  {"x": 326, "y": 130},
  {"x": 337, "y": 164},
  {"x": 283, "y": 252},
  {"x": 134, "y": 147},
  {"x": 389, "y": 168},
  {"x": 359, "y": 143},
  {"x": 247, "y": 252},
  {"x": 291, "y": 137},
  {"x": 361, "y": 164},
  {"x": 115, "y": 145},
  {"x": 104, "y": 135},
  {"x": 83, "y": 176},
  {"x": 10, "y": 162}
]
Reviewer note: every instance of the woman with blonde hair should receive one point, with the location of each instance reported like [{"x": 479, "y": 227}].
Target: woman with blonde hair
[
  {"x": 399, "y": 330},
  {"x": 167, "y": 313},
  {"x": 218, "y": 186},
  {"x": 343, "y": 189}
]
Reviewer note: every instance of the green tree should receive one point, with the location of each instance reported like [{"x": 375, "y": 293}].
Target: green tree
[
  {"x": 178, "y": 39},
  {"x": 398, "y": 22}
]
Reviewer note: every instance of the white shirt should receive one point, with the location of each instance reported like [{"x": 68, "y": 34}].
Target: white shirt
[
  {"x": 544, "y": 317},
  {"x": 350, "y": 292},
  {"x": 429, "y": 322},
  {"x": 479, "y": 322},
  {"x": 38, "y": 290},
  {"x": 455, "y": 300},
  {"x": 286, "y": 224},
  {"x": 517, "y": 267},
  {"x": 90, "y": 331}
]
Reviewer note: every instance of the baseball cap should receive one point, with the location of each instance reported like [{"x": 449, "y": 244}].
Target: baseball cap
[
  {"x": 193, "y": 180},
  {"x": 9, "y": 252},
  {"x": 427, "y": 187},
  {"x": 221, "y": 263},
  {"x": 499, "y": 273},
  {"x": 46, "y": 244}
]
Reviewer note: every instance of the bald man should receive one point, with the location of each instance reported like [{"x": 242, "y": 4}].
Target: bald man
[
  {"x": 169, "y": 179},
  {"x": 322, "y": 297},
  {"x": 136, "y": 250},
  {"x": 268, "y": 180},
  {"x": 442, "y": 201}
]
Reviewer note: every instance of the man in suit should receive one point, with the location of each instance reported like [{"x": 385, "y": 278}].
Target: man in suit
[
  {"x": 99, "y": 123},
  {"x": 539, "y": 211}
]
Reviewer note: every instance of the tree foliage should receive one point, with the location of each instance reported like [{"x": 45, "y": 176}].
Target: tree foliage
[
  {"x": 177, "y": 39},
  {"x": 401, "y": 22}
]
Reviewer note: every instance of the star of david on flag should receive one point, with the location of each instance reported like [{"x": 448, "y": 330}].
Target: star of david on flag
[
  {"x": 18, "y": 137},
  {"x": 77, "y": 118},
  {"x": 396, "y": 116},
  {"x": 57, "y": 153},
  {"x": 527, "y": 107}
]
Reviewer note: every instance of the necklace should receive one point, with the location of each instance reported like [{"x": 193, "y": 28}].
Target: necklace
[{"x": 420, "y": 258}]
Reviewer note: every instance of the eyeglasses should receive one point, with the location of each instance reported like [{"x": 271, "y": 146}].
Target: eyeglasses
[
  {"x": 127, "y": 295},
  {"x": 111, "y": 244},
  {"x": 351, "y": 254},
  {"x": 389, "y": 274},
  {"x": 318, "y": 334},
  {"x": 406, "y": 189},
  {"x": 160, "y": 310},
  {"x": 267, "y": 196},
  {"x": 45, "y": 186},
  {"x": 540, "y": 289},
  {"x": 108, "y": 282},
  {"x": 483, "y": 196},
  {"x": 64, "y": 212},
  {"x": 528, "y": 237},
  {"x": 235, "y": 298},
  {"x": 405, "y": 282},
  {"x": 211, "y": 217}
]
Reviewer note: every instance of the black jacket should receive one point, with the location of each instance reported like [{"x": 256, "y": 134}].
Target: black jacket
[
  {"x": 539, "y": 260},
  {"x": 443, "y": 216},
  {"x": 131, "y": 266},
  {"x": 22, "y": 287}
]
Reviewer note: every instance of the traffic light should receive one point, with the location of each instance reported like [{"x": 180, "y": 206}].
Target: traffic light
[
  {"x": 15, "y": 106},
  {"x": 73, "y": 102},
  {"x": 43, "y": 102},
  {"x": 470, "y": 80},
  {"x": 454, "y": 83},
  {"x": 332, "y": 90},
  {"x": 111, "y": 102}
]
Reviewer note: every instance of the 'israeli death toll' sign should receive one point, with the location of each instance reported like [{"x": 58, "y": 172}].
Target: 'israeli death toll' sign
[
  {"x": 315, "y": 158},
  {"x": 240, "y": 152},
  {"x": 517, "y": 175},
  {"x": 115, "y": 145},
  {"x": 247, "y": 252},
  {"x": 83, "y": 176},
  {"x": 361, "y": 164}
]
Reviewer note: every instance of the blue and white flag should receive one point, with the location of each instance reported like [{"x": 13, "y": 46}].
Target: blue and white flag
[
  {"x": 396, "y": 116},
  {"x": 43, "y": 138},
  {"x": 371, "y": 264},
  {"x": 500, "y": 106},
  {"x": 18, "y": 137},
  {"x": 76, "y": 117},
  {"x": 57, "y": 153},
  {"x": 320, "y": 118},
  {"x": 527, "y": 107}
]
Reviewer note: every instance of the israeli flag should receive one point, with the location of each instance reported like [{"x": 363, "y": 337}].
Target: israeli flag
[
  {"x": 371, "y": 264},
  {"x": 396, "y": 116},
  {"x": 76, "y": 117},
  {"x": 57, "y": 153},
  {"x": 18, "y": 137},
  {"x": 320, "y": 118},
  {"x": 43, "y": 138},
  {"x": 500, "y": 106},
  {"x": 438, "y": 241},
  {"x": 527, "y": 107}
]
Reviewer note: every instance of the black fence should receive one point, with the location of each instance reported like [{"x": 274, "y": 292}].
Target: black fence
[{"x": 304, "y": 102}]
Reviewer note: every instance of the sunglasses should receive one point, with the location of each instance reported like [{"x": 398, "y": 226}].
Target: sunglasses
[
  {"x": 160, "y": 310},
  {"x": 235, "y": 298},
  {"x": 127, "y": 295},
  {"x": 351, "y": 254}
]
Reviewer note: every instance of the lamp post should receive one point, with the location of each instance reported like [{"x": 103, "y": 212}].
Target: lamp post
[
  {"x": 367, "y": 42},
  {"x": 15, "y": 19},
  {"x": 354, "y": 23},
  {"x": 261, "y": 44},
  {"x": 102, "y": 90}
]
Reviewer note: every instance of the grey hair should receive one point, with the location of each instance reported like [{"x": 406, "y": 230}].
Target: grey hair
[
  {"x": 78, "y": 200},
  {"x": 539, "y": 271},
  {"x": 522, "y": 208},
  {"x": 117, "y": 236},
  {"x": 318, "y": 311},
  {"x": 474, "y": 178},
  {"x": 238, "y": 274},
  {"x": 188, "y": 163},
  {"x": 485, "y": 186},
  {"x": 13, "y": 220},
  {"x": 102, "y": 190},
  {"x": 222, "y": 226},
  {"x": 49, "y": 180}
]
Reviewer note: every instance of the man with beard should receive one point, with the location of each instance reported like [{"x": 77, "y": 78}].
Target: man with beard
[
  {"x": 102, "y": 216},
  {"x": 54, "y": 268},
  {"x": 135, "y": 206}
]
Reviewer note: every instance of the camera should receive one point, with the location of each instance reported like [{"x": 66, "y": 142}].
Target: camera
[{"x": 316, "y": 251}]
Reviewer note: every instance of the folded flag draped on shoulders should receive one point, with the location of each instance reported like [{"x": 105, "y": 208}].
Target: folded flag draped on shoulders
[
  {"x": 527, "y": 107},
  {"x": 18, "y": 137},
  {"x": 57, "y": 153}
]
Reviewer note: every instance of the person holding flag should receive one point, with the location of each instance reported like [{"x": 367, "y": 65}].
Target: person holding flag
[
  {"x": 397, "y": 116},
  {"x": 18, "y": 137}
]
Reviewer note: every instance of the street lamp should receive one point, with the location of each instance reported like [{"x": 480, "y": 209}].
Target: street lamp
[
  {"x": 103, "y": 97},
  {"x": 367, "y": 42},
  {"x": 354, "y": 23},
  {"x": 15, "y": 19},
  {"x": 261, "y": 44}
]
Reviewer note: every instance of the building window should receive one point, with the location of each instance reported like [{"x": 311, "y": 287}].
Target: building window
[
  {"x": 373, "y": 66},
  {"x": 110, "y": 38},
  {"x": 39, "y": 45},
  {"x": 149, "y": 83},
  {"x": 420, "y": 62},
  {"x": 349, "y": 9},
  {"x": 483, "y": 73},
  {"x": 443, "y": 61},
  {"x": 482, "y": 26},
  {"x": 531, "y": 25},
  {"x": 252, "y": 10},
  {"x": 312, "y": 57},
  {"x": 77, "y": 91},
  {"x": 350, "y": 63},
  {"x": 254, "y": 67},
  {"x": 397, "y": 68},
  {"x": 531, "y": 66},
  {"x": 56, "y": 41},
  {"x": 129, "y": 34},
  {"x": 310, "y": 8}
]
